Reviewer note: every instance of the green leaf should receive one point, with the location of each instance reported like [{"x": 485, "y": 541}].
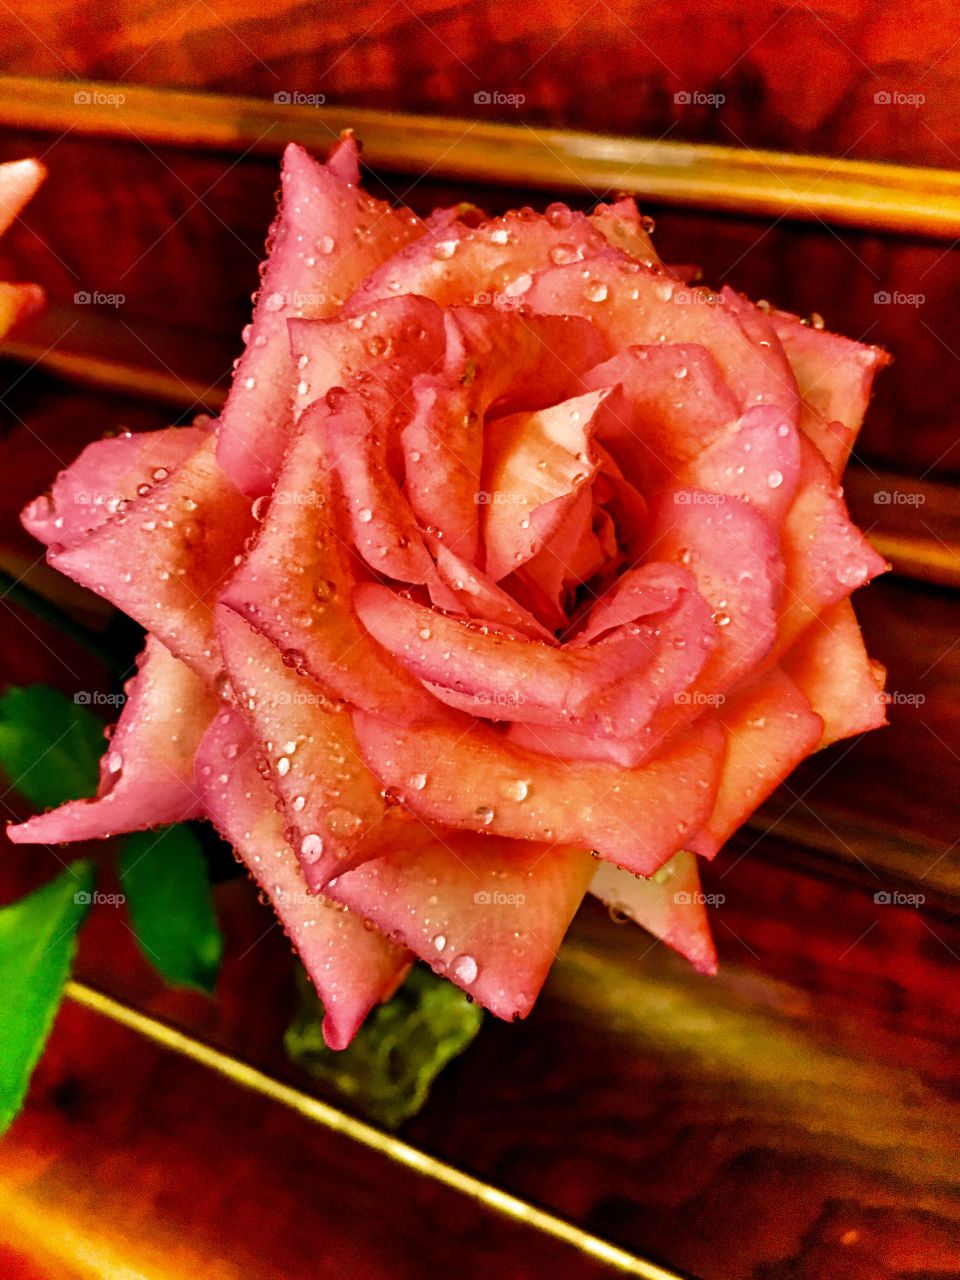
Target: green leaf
[
  {"x": 163, "y": 874},
  {"x": 400, "y": 1050},
  {"x": 38, "y": 937},
  {"x": 50, "y": 747}
]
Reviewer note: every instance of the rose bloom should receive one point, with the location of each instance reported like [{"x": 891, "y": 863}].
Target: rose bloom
[{"x": 515, "y": 568}]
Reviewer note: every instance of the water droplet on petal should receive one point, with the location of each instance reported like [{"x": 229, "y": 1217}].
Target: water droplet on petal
[
  {"x": 273, "y": 302},
  {"x": 465, "y": 968},
  {"x": 311, "y": 847},
  {"x": 364, "y": 515},
  {"x": 439, "y": 941},
  {"x": 775, "y": 479}
]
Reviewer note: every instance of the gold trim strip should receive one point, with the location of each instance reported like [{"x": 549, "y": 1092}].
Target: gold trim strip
[
  {"x": 337, "y": 1121},
  {"x": 866, "y": 194}
]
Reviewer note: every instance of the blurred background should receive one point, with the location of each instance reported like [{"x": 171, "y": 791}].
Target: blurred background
[{"x": 795, "y": 1118}]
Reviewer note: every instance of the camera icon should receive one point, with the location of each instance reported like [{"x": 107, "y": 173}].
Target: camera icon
[
  {"x": 882, "y": 898},
  {"x": 82, "y": 298},
  {"x": 82, "y": 898},
  {"x": 682, "y": 699},
  {"x": 82, "y": 697},
  {"x": 482, "y": 898},
  {"x": 82, "y": 98},
  {"x": 482, "y": 98},
  {"x": 882, "y": 298},
  {"x": 683, "y": 98},
  {"x": 282, "y": 99},
  {"x": 682, "y": 497},
  {"x": 683, "y": 898},
  {"x": 883, "y": 497},
  {"x": 482, "y": 498},
  {"x": 882, "y": 98}
]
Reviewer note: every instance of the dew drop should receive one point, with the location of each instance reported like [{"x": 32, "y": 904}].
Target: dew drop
[
  {"x": 465, "y": 968},
  {"x": 485, "y": 814},
  {"x": 311, "y": 847},
  {"x": 418, "y": 781},
  {"x": 283, "y": 766},
  {"x": 273, "y": 302},
  {"x": 775, "y": 479},
  {"x": 298, "y": 803},
  {"x": 258, "y": 507},
  {"x": 439, "y": 941},
  {"x": 364, "y": 515},
  {"x": 596, "y": 291}
]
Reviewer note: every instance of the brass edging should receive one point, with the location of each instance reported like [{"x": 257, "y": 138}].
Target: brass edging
[
  {"x": 337, "y": 1121},
  {"x": 867, "y": 194}
]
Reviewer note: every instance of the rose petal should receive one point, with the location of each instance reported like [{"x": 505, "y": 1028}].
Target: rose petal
[
  {"x": 479, "y": 597},
  {"x": 104, "y": 478},
  {"x": 164, "y": 559},
  {"x": 479, "y": 781},
  {"x": 19, "y": 179},
  {"x": 18, "y": 302},
  {"x": 487, "y": 913},
  {"x": 770, "y": 728},
  {"x": 333, "y": 809},
  {"x": 757, "y": 461},
  {"x": 829, "y": 664},
  {"x": 825, "y": 554},
  {"x": 146, "y": 774},
  {"x": 296, "y": 586},
  {"x": 329, "y": 235},
  {"x": 834, "y": 376},
  {"x": 669, "y": 905},
  {"x": 351, "y": 966},
  {"x": 622, "y": 226}
]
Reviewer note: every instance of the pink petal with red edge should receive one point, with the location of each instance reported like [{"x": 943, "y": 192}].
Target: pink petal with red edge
[
  {"x": 478, "y": 781},
  {"x": 732, "y": 553},
  {"x": 530, "y": 460},
  {"x": 770, "y": 728},
  {"x": 675, "y": 403},
  {"x": 479, "y": 597},
  {"x": 669, "y": 905},
  {"x": 328, "y": 236},
  {"x": 104, "y": 478},
  {"x": 163, "y": 560},
  {"x": 333, "y": 809},
  {"x": 757, "y": 462},
  {"x": 19, "y": 179},
  {"x": 487, "y": 913},
  {"x": 352, "y": 967},
  {"x": 834, "y": 376},
  {"x": 454, "y": 263},
  {"x": 296, "y": 586},
  {"x": 146, "y": 775},
  {"x": 825, "y": 554},
  {"x": 388, "y": 344},
  {"x": 830, "y": 665}
]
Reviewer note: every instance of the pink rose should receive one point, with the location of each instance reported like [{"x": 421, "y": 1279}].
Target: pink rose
[{"x": 508, "y": 547}]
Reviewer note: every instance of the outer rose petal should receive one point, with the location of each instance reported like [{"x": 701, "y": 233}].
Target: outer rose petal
[
  {"x": 622, "y": 226},
  {"x": 146, "y": 775},
  {"x": 328, "y": 236},
  {"x": 17, "y": 302},
  {"x": 104, "y": 478},
  {"x": 19, "y": 179},
  {"x": 296, "y": 586},
  {"x": 830, "y": 664},
  {"x": 164, "y": 559},
  {"x": 632, "y": 305},
  {"x": 770, "y": 728},
  {"x": 758, "y": 461},
  {"x": 454, "y": 263},
  {"x": 333, "y": 808},
  {"x": 488, "y": 913},
  {"x": 351, "y": 966},
  {"x": 825, "y": 554},
  {"x": 478, "y": 780},
  {"x": 669, "y": 905},
  {"x": 834, "y": 376}
]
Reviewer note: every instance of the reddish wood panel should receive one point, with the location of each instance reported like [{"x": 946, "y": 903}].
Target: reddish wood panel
[{"x": 793, "y": 76}]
